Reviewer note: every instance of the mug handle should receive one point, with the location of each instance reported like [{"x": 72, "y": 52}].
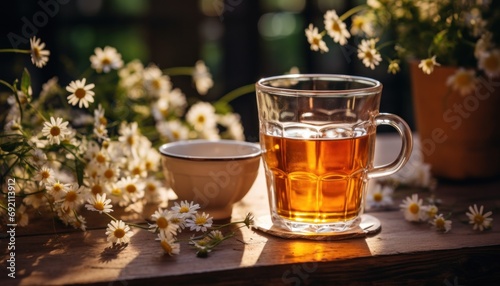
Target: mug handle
[{"x": 407, "y": 144}]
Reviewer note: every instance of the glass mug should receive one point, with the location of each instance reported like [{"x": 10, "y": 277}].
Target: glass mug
[{"x": 317, "y": 134}]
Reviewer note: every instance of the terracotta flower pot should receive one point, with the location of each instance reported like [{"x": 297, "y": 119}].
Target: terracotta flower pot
[{"x": 459, "y": 135}]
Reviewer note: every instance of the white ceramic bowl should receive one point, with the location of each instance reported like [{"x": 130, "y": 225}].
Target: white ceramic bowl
[{"x": 214, "y": 174}]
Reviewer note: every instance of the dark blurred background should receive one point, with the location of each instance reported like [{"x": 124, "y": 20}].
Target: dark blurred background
[{"x": 239, "y": 40}]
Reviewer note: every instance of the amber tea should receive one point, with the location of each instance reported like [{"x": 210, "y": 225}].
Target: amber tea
[{"x": 318, "y": 180}]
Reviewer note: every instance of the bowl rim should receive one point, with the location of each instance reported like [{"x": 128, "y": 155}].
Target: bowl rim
[{"x": 256, "y": 153}]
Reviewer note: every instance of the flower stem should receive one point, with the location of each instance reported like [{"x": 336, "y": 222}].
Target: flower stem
[
  {"x": 15, "y": 51},
  {"x": 351, "y": 12},
  {"x": 179, "y": 71},
  {"x": 235, "y": 93}
]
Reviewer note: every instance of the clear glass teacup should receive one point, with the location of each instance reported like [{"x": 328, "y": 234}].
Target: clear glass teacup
[{"x": 317, "y": 134}]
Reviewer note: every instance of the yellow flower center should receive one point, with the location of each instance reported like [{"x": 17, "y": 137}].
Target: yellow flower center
[
  {"x": 96, "y": 189},
  {"x": 57, "y": 187},
  {"x": 106, "y": 61},
  {"x": 166, "y": 247},
  {"x": 80, "y": 93},
  {"x": 71, "y": 196},
  {"x": 336, "y": 26},
  {"x": 201, "y": 119},
  {"x": 131, "y": 188},
  {"x": 130, "y": 140},
  {"x": 45, "y": 174},
  {"x": 116, "y": 192},
  {"x": 151, "y": 187},
  {"x": 176, "y": 134},
  {"x": 99, "y": 206},
  {"x": 369, "y": 55},
  {"x": 414, "y": 208},
  {"x": 463, "y": 79},
  {"x": 136, "y": 171},
  {"x": 200, "y": 220},
  {"x": 184, "y": 209},
  {"x": 100, "y": 158},
  {"x": 119, "y": 233},
  {"x": 103, "y": 120},
  {"x": 156, "y": 84},
  {"x": 162, "y": 222},
  {"x": 36, "y": 52},
  {"x": 440, "y": 223},
  {"x": 108, "y": 174},
  {"x": 55, "y": 131},
  {"x": 378, "y": 197},
  {"x": 478, "y": 219},
  {"x": 316, "y": 41}
]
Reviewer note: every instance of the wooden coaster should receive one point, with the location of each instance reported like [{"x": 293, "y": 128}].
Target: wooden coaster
[{"x": 369, "y": 225}]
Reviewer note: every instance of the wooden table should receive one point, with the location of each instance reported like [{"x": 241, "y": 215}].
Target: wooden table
[{"x": 402, "y": 253}]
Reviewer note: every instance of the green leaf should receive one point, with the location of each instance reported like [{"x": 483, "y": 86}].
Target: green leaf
[
  {"x": 79, "y": 169},
  {"x": 26, "y": 83}
]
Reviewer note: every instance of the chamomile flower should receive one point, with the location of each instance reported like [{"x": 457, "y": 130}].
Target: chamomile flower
[
  {"x": 129, "y": 135},
  {"x": 73, "y": 197},
  {"x": 110, "y": 172},
  {"x": 173, "y": 130},
  {"x": 137, "y": 167},
  {"x": 464, "y": 81},
  {"x": 185, "y": 208},
  {"x": 428, "y": 212},
  {"x": 106, "y": 59},
  {"x": 440, "y": 223},
  {"x": 45, "y": 175},
  {"x": 393, "y": 67},
  {"x": 168, "y": 244},
  {"x": 336, "y": 28},
  {"x": 133, "y": 188},
  {"x": 118, "y": 232},
  {"x": 411, "y": 207},
  {"x": 116, "y": 194},
  {"x": 154, "y": 191},
  {"x": 202, "y": 116},
  {"x": 99, "y": 203},
  {"x": 155, "y": 81},
  {"x": 489, "y": 62},
  {"x": 368, "y": 53},
  {"x": 200, "y": 222},
  {"x": 81, "y": 93},
  {"x": 55, "y": 130},
  {"x": 57, "y": 189},
  {"x": 163, "y": 222},
  {"x": 216, "y": 236},
  {"x": 79, "y": 222},
  {"x": 379, "y": 196},
  {"x": 96, "y": 185},
  {"x": 101, "y": 132},
  {"x": 478, "y": 219},
  {"x": 361, "y": 25},
  {"x": 315, "y": 39},
  {"x": 202, "y": 78},
  {"x": 427, "y": 65},
  {"x": 39, "y": 56}
]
